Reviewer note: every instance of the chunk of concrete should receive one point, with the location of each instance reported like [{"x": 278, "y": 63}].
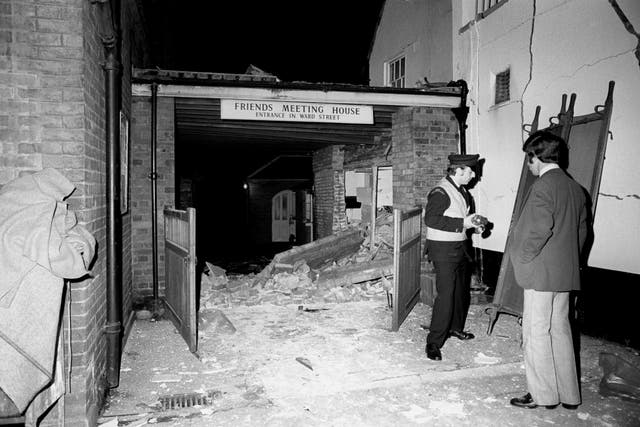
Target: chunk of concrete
[{"x": 214, "y": 321}]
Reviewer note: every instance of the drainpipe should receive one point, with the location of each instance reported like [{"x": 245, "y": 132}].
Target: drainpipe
[
  {"x": 153, "y": 176},
  {"x": 461, "y": 113},
  {"x": 110, "y": 14}
]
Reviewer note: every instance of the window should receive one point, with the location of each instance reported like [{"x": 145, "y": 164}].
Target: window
[
  {"x": 395, "y": 72},
  {"x": 484, "y": 7},
  {"x": 502, "y": 86}
]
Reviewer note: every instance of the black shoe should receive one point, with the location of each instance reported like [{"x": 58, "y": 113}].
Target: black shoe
[
  {"x": 527, "y": 402},
  {"x": 569, "y": 406},
  {"x": 433, "y": 352},
  {"x": 461, "y": 335}
]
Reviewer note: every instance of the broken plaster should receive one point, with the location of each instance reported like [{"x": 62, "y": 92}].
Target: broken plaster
[{"x": 627, "y": 25}]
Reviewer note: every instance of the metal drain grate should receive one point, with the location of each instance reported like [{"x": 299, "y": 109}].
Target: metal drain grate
[{"x": 187, "y": 400}]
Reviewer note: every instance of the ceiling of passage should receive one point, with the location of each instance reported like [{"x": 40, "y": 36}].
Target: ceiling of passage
[{"x": 198, "y": 121}]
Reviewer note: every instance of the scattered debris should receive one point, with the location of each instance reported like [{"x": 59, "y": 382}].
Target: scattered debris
[
  {"x": 356, "y": 273},
  {"x": 344, "y": 267},
  {"x": 111, "y": 423},
  {"x": 620, "y": 378},
  {"x": 310, "y": 310},
  {"x": 417, "y": 414},
  {"x": 483, "y": 359},
  {"x": 143, "y": 315},
  {"x": 325, "y": 251},
  {"x": 166, "y": 378},
  {"x": 448, "y": 408},
  {"x": 214, "y": 321},
  {"x": 304, "y": 362}
]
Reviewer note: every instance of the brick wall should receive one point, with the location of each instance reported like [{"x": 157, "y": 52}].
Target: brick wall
[
  {"x": 50, "y": 87},
  {"x": 422, "y": 138},
  {"x": 141, "y": 250},
  {"x": 52, "y": 114},
  {"x": 364, "y": 157},
  {"x": 329, "y": 209},
  {"x": 135, "y": 53}
]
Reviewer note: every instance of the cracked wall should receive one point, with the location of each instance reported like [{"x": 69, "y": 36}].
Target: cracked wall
[{"x": 555, "y": 47}]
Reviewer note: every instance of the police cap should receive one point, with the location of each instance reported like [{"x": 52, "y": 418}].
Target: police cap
[{"x": 464, "y": 159}]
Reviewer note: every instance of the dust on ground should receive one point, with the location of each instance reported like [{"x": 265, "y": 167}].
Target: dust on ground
[{"x": 339, "y": 364}]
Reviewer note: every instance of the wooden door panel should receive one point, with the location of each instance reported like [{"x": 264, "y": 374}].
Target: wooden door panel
[
  {"x": 283, "y": 212},
  {"x": 180, "y": 273},
  {"x": 406, "y": 261}
]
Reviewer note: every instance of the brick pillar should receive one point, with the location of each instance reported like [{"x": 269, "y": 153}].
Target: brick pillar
[
  {"x": 422, "y": 138},
  {"x": 329, "y": 210},
  {"x": 141, "y": 248}
]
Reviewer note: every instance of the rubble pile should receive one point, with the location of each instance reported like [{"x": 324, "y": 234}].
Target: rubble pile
[
  {"x": 340, "y": 268},
  {"x": 298, "y": 286},
  {"x": 343, "y": 267}
]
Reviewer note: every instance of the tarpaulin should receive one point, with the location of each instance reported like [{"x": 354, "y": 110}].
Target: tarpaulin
[{"x": 41, "y": 243}]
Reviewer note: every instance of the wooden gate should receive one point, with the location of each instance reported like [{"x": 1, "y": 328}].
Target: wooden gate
[
  {"x": 407, "y": 228},
  {"x": 180, "y": 272}
]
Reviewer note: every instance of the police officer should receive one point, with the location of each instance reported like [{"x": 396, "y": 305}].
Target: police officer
[{"x": 449, "y": 213}]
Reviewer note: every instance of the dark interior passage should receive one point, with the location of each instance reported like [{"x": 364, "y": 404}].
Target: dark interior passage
[{"x": 212, "y": 178}]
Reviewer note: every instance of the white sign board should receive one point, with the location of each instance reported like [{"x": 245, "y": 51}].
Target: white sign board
[{"x": 236, "y": 109}]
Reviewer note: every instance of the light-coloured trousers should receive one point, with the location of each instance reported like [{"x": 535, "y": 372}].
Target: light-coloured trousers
[{"x": 549, "y": 360}]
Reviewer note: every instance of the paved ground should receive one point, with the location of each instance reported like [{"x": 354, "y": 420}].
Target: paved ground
[{"x": 340, "y": 365}]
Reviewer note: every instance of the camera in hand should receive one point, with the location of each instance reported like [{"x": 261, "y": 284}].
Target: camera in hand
[{"x": 479, "y": 220}]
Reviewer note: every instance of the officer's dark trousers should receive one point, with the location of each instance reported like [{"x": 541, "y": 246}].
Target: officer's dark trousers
[{"x": 452, "y": 302}]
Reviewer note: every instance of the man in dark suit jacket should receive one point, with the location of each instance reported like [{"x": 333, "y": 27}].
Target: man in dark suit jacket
[{"x": 545, "y": 253}]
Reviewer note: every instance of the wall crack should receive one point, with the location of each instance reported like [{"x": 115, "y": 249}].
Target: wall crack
[
  {"x": 627, "y": 25},
  {"x": 606, "y": 58},
  {"x": 533, "y": 25}
]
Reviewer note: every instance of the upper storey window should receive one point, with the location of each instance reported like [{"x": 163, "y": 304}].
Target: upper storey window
[
  {"x": 396, "y": 72},
  {"x": 484, "y": 7},
  {"x": 471, "y": 14}
]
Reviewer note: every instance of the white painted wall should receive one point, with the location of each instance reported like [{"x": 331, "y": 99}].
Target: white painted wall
[
  {"x": 407, "y": 28},
  {"x": 574, "y": 46}
]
